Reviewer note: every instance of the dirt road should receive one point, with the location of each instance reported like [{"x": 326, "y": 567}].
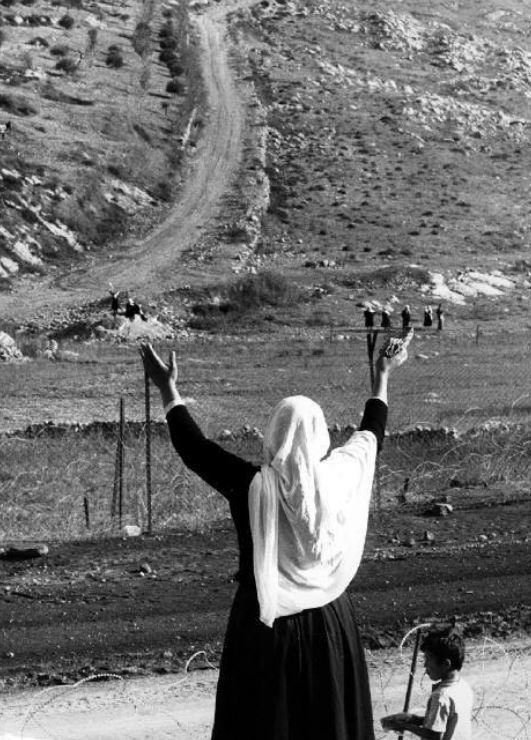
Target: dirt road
[
  {"x": 152, "y": 264},
  {"x": 181, "y": 706}
]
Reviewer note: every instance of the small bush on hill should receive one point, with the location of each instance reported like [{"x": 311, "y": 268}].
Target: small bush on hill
[
  {"x": 92, "y": 35},
  {"x": 17, "y": 105},
  {"x": 267, "y": 288},
  {"x": 168, "y": 29},
  {"x": 167, "y": 55},
  {"x": 60, "y": 50},
  {"x": 141, "y": 38},
  {"x": 39, "y": 41},
  {"x": 2, "y": 37},
  {"x": 114, "y": 57},
  {"x": 176, "y": 69},
  {"x": 66, "y": 65},
  {"x": 8, "y": 3},
  {"x": 66, "y": 21},
  {"x": 168, "y": 42},
  {"x": 175, "y": 87}
]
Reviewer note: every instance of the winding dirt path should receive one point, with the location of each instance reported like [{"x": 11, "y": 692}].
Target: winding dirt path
[{"x": 151, "y": 264}]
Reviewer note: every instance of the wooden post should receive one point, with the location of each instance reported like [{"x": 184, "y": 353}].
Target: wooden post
[
  {"x": 411, "y": 675},
  {"x": 148, "y": 450},
  {"x": 87, "y": 512},
  {"x": 121, "y": 438}
]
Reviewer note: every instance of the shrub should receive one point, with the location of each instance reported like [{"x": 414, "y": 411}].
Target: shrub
[
  {"x": 2, "y": 37},
  {"x": 176, "y": 69},
  {"x": 17, "y": 104},
  {"x": 27, "y": 60},
  {"x": 267, "y": 288},
  {"x": 66, "y": 65},
  {"x": 114, "y": 58},
  {"x": 167, "y": 55},
  {"x": 92, "y": 34},
  {"x": 61, "y": 50},
  {"x": 8, "y": 3},
  {"x": 168, "y": 42},
  {"x": 66, "y": 21},
  {"x": 141, "y": 38},
  {"x": 168, "y": 29},
  {"x": 175, "y": 86},
  {"x": 39, "y": 41}
]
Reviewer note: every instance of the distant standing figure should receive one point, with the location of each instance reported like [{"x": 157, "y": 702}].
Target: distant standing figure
[
  {"x": 406, "y": 317},
  {"x": 115, "y": 301},
  {"x": 369, "y": 317},
  {"x": 131, "y": 310},
  {"x": 440, "y": 317},
  {"x": 386, "y": 318},
  {"x": 428, "y": 316},
  {"x": 5, "y": 128}
]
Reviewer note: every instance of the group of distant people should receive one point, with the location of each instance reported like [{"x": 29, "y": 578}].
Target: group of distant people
[
  {"x": 130, "y": 310},
  {"x": 385, "y": 322}
]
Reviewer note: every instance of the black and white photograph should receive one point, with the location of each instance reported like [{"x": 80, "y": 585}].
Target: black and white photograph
[{"x": 265, "y": 369}]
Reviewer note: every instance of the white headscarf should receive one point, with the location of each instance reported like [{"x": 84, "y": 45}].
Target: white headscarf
[{"x": 308, "y": 515}]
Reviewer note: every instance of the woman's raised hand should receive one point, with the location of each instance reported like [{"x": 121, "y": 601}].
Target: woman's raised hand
[
  {"x": 393, "y": 353},
  {"x": 163, "y": 375}
]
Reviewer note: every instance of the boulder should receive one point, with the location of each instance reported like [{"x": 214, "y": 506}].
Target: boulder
[{"x": 9, "y": 352}]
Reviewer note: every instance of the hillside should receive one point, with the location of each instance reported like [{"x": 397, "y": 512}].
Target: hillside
[{"x": 390, "y": 138}]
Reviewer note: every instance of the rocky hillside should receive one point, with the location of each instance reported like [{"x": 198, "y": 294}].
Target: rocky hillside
[{"x": 94, "y": 101}]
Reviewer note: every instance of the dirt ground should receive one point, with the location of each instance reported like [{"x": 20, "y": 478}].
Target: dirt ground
[
  {"x": 145, "y": 605},
  {"x": 182, "y": 706}
]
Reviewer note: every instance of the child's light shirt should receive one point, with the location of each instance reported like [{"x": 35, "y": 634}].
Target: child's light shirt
[{"x": 450, "y": 709}]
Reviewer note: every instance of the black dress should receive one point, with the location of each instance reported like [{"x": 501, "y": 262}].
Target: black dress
[{"x": 305, "y": 678}]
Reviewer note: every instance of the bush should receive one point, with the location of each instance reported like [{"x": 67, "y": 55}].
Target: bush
[
  {"x": 168, "y": 42},
  {"x": 141, "y": 38},
  {"x": 39, "y": 41},
  {"x": 2, "y": 37},
  {"x": 92, "y": 34},
  {"x": 267, "y": 288},
  {"x": 175, "y": 87},
  {"x": 61, "y": 50},
  {"x": 175, "y": 69},
  {"x": 8, "y": 3},
  {"x": 167, "y": 55},
  {"x": 66, "y": 21},
  {"x": 114, "y": 58},
  {"x": 17, "y": 104},
  {"x": 67, "y": 65},
  {"x": 167, "y": 30}
]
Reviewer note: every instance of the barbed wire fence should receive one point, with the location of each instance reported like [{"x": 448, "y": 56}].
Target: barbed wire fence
[{"x": 461, "y": 406}]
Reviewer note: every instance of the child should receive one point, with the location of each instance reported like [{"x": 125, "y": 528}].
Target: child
[{"x": 449, "y": 712}]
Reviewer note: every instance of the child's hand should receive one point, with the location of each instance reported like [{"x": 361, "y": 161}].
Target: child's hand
[{"x": 396, "y": 722}]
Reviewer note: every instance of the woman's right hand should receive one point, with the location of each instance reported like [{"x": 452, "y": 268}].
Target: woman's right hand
[{"x": 163, "y": 375}]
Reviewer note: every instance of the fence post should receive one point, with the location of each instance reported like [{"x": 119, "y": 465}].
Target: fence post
[
  {"x": 121, "y": 461},
  {"x": 87, "y": 512},
  {"x": 148, "y": 450}
]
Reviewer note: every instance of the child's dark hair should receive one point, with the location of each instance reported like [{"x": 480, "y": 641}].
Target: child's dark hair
[{"x": 445, "y": 642}]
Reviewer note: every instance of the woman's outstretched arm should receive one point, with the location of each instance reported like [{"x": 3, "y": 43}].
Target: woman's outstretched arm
[{"x": 225, "y": 472}]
